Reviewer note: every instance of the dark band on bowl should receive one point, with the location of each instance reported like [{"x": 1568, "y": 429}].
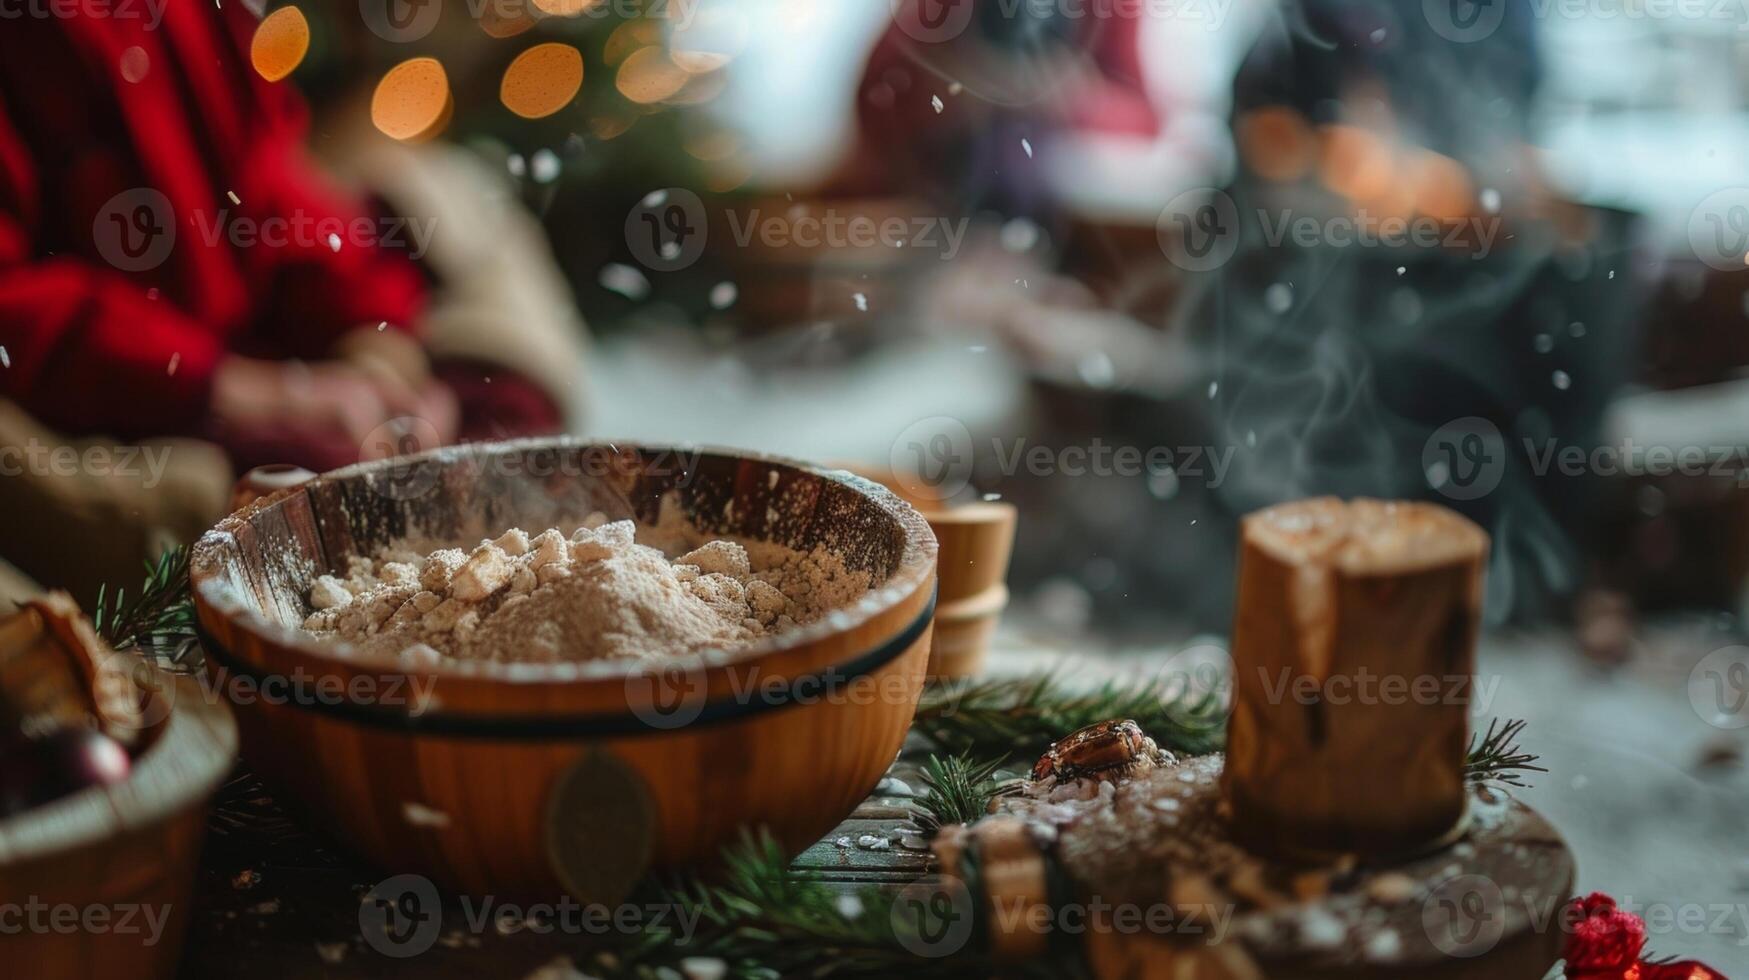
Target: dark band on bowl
[{"x": 760, "y": 696}]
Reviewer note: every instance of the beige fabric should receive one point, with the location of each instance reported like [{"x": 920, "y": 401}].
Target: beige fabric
[
  {"x": 502, "y": 299},
  {"x": 75, "y": 514}
]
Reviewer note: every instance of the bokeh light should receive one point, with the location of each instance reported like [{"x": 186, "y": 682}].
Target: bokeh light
[
  {"x": 710, "y": 39},
  {"x": 499, "y": 22},
  {"x": 280, "y": 43},
  {"x": 542, "y": 80},
  {"x": 728, "y": 175},
  {"x": 412, "y": 102},
  {"x": 135, "y": 64},
  {"x": 649, "y": 76},
  {"x": 612, "y": 125},
  {"x": 633, "y": 35},
  {"x": 566, "y": 8},
  {"x": 701, "y": 89}
]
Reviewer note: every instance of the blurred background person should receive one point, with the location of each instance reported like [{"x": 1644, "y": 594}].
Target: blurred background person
[{"x": 172, "y": 265}]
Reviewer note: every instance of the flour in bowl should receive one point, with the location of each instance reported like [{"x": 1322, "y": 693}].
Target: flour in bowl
[{"x": 597, "y": 594}]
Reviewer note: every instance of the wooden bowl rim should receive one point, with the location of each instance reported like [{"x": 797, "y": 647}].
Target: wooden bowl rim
[
  {"x": 916, "y": 569},
  {"x": 186, "y": 762}
]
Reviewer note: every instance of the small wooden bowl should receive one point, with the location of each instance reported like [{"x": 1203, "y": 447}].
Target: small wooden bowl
[
  {"x": 122, "y": 856},
  {"x": 976, "y": 542},
  {"x": 523, "y": 778}
]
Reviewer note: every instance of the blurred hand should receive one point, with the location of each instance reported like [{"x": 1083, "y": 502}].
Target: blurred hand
[
  {"x": 388, "y": 355},
  {"x": 427, "y": 410},
  {"x": 331, "y": 407}
]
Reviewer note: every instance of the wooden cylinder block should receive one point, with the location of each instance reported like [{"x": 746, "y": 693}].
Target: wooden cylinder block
[{"x": 1353, "y": 659}]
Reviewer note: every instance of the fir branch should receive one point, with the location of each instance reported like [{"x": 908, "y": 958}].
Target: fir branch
[
  {"x": 959, "y": 791},
  {"x": 761, "y": 922},
  {"x": 1494, "y": 757},
  {"x": 161, "y": 613},
  {"x": 1023, "y": 716}
]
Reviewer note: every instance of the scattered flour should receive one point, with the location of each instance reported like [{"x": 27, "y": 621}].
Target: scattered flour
[{"x": 598, "y": 594}]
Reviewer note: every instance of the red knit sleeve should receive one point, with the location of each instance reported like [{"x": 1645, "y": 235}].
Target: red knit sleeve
[
  {"x": 79, "y": 339},
  {"x": 317, "y": 288},
  {"x": 343, "y": 268}
]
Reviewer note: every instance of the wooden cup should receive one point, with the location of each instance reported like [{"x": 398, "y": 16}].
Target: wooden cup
[{"x": 976, "y": 541}]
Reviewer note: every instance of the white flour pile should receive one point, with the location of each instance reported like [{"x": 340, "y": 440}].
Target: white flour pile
[{"x": 595, "y": 595}]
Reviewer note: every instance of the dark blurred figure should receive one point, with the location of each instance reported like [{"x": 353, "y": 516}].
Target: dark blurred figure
[{"x": 1413, "y": 369}]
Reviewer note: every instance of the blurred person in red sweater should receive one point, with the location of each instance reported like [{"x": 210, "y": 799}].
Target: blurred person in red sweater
[
  {"x": 171, "y": 266},
  {"x": 170, "y": 263}
]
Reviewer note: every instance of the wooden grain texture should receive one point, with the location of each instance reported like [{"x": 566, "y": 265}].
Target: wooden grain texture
[
  {"x": 472, "y": 810},
  {"x": 1353, "y": 653}
]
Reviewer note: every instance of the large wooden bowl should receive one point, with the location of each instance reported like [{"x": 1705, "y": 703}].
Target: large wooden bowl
[{"x": 526, "y": 778}]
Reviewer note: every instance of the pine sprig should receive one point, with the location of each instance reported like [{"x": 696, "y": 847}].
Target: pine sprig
[
  {"x": 161, "y": 613},
  {"x": 762, "y": 922},
  {"x": 959, "y": 790},
  {"x": 1494, "y": 756},
  {"x": 1024, "y": 715}
]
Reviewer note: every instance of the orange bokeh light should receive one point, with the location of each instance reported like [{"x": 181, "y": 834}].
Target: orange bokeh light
[
  {"x": 280, "y": 43},
  {"x": 701, "y": 89},
  {"x": 633, "y": 35},
  {"x": 501, "y": 23},
  {"x": 648, "y": 76},
  {"x": 542, "y": 80},
  {"x": 412, "y": 102},
  {"x": 565, "y": 8},
  {"x": 612, "y": 126}
]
